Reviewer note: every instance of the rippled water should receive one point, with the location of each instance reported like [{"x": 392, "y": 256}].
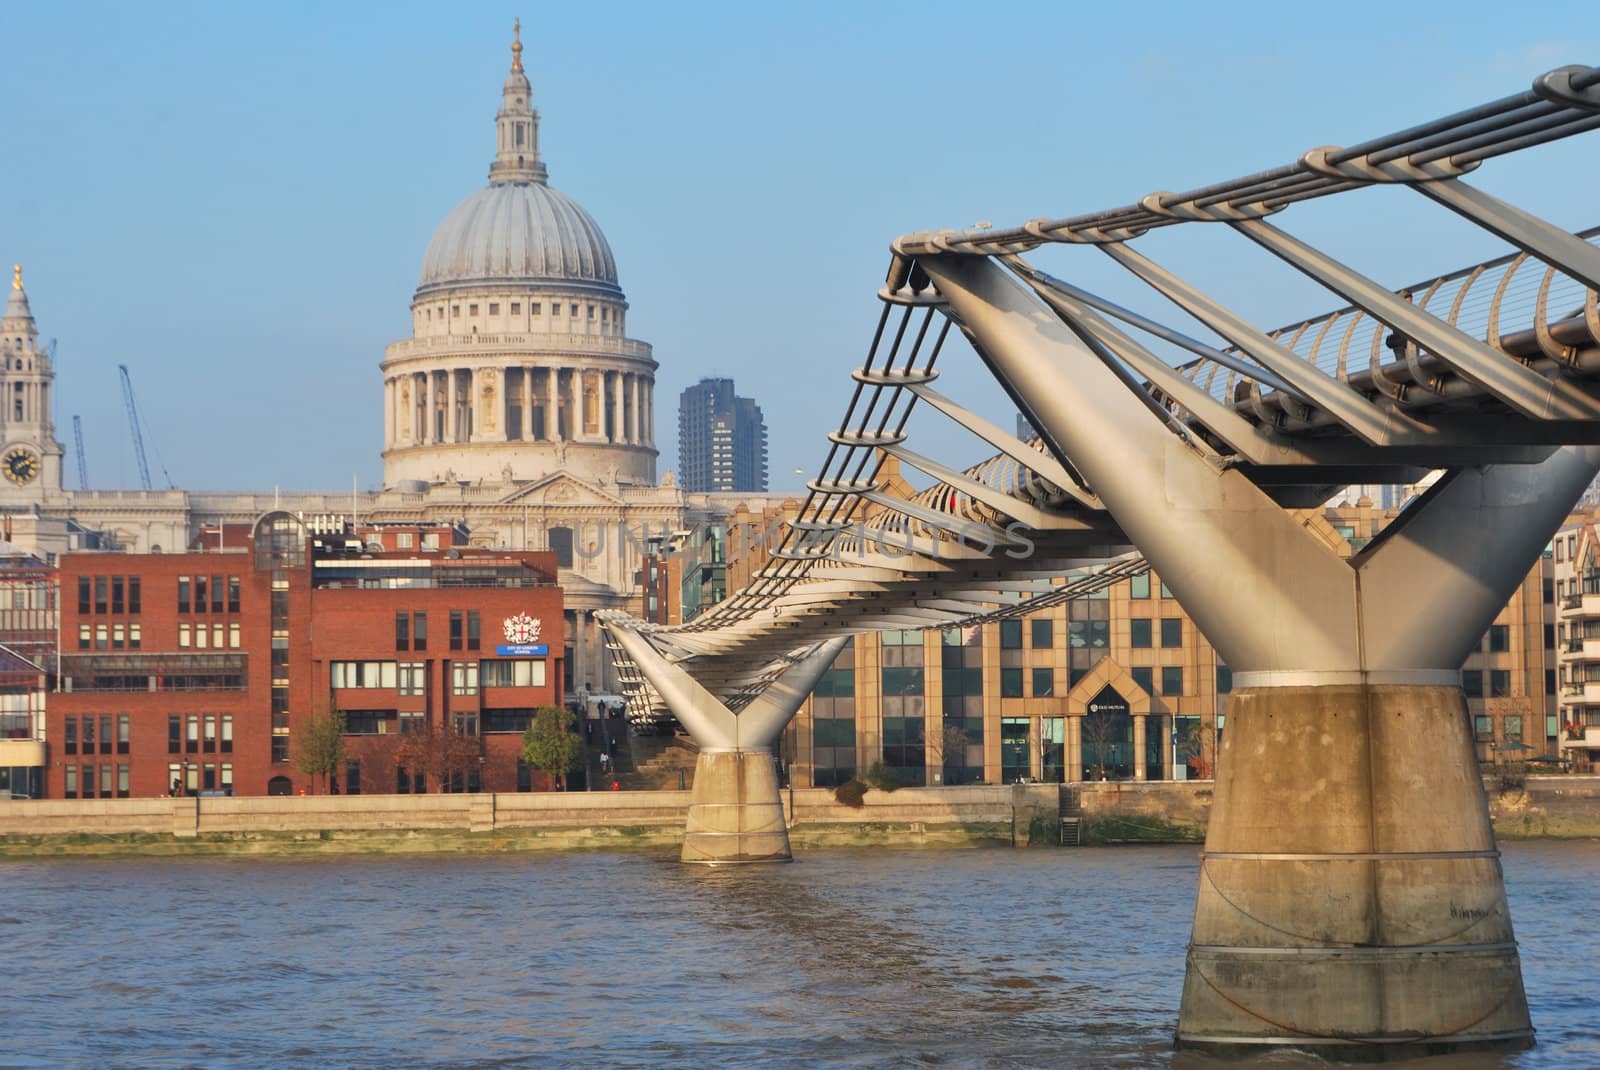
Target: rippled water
[{"x": 990, "y": 958}]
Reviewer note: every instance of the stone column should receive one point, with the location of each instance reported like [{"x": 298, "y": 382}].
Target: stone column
[
  {"x": 452, "y": 412},
  {"x": 617, "y": 434},
  {"x": 526, "y": 431},
  {"x": 1072, "y": 759},
  {"x": 1139, "y": 770},
  {"x": 388, "y": 413},
  {"x": 575, "y": 405}
]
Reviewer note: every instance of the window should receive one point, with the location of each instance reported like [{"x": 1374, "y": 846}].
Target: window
[
  {"x": 135, "y": 636},
  {"x": 191, "y": 737},
  {"x": 360, "y": 674},
  {"x": 88, "y": 734},
  {"x": 457, "y": 628},
  {"x": 124, "y": 730},
  {"x": 1043, "y": 634},
  {"x": 101, "y": 637},
  {"x": 119, "y": 636},
  {"x": 1172, "y": 679},
  {"x": 70, "y": 742},
  {"x": 134, "y": 603},
  {"x": 233, "y": 635},
  {"x": 1139, "y": 632},
  {"x": 573, "y": 309},
  {"x": 1224, "y": 679},
  {"x": 70, "y": 782},
  {"x": 512, "y": 672},
  {"x": 174, "y": 733},
  {"x": 1014, "y": 749},
  {"x": 472, "y": 309},
  {"x": 105, "y": 733},
  {"x": 1171, "y": 631},
  {"x": 403, "y": 541},
  {"x": 83, "y": 595},
  {"x": 1513, "y": 727},
  {"x": 122, "y": 780},
  {"x": 85, "y": 637},
  {"x": 1499, "y": 638},
  {"x": 413, "y": 678},
  {"x": 1483, "y": 728},
  {"x": 455, "y": 311},
  {"x": 464, "y": 678},
  {"x": 1142, "y": 675},
  {"x": 534, "y": 307},
  {"x": 227, "y": 735},
  {"x": 516, "y": 308},
  {"x": 494, "y": 306},
  {"x": 185, "y": 637},
  {"x": 402, "y": 631},
  {"x": 1044, "y": 683},
  {"x": 217, "y": 592},
  {"x": 199, "y": 594},
  {"x": 1472, "y": 683},
  {"x": 1499, "y": 683},
  {"x": 1011, "y": 635},
  {"x": 210, "y": 746},
  {"x": 474, "y": 629},
  {"x": 280, "y": 749},
  {"x": 419, "y": 631},
  {"x": 233, "y": 594},
  {"x": 1088, "y": 634},
  {"x": 1010, "y": 683},
  {"x": 116, "y": 594},
  {"x": 99, "y": 594}
]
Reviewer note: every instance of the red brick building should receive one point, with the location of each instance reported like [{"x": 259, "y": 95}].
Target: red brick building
[{"x": 203, "y": 670}]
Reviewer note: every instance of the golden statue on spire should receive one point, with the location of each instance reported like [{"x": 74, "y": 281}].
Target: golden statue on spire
[
  {"x": 16, "y": 276},
  {"x": 516, "y": 44}
]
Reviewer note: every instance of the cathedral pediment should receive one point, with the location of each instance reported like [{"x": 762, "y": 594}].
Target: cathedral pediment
[{"x": 563, "y": 488}]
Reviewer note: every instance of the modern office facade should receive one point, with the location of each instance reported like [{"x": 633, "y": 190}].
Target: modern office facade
[
  {"x": 722, "y": 439},
  {"x": 1120, "y": 685}
]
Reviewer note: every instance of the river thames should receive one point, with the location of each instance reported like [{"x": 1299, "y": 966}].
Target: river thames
[{"x": 976, "y": 958}]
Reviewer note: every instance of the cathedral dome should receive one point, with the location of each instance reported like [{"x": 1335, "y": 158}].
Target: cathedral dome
[{"x": 520, "y": 233}]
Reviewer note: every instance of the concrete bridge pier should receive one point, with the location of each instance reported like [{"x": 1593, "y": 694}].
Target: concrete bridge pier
[
  {"x": 735, "y": 811},
  {"x": 1351, "y": 898}
]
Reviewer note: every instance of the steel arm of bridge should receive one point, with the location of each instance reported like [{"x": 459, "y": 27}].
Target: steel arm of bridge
[
  {"x": 1458, "y": 439},
  {"x": 1042, "y": 464},
  {"x": 1267, "y": 594},
  {"x": 1507, "y": 378},
  {"x": 707, "y": 718},
  {"x": 998, "y": 500}
]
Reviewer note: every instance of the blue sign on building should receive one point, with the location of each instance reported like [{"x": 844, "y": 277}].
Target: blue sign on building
[{"x": 523, "y": 650}]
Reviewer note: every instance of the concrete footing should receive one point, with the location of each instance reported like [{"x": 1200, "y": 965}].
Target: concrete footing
[
  {"x": 1351, "y": 898},
  {"x": 735, "y": 812}
]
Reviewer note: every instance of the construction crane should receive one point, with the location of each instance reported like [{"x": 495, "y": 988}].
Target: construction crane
[
  {"x": 138, "y": 437},
  {"x": 77, "y": 445}
]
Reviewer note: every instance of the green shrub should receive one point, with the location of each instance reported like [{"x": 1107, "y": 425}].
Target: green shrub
[
  {"x": 883, "y": 778},
  {"x": 851, "y": 793}
]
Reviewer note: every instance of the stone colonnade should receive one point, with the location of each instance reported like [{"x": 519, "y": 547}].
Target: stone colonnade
[{"x": 527, "y": 403}]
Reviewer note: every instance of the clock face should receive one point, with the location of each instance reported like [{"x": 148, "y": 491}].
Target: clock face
[{"x": 21, "y": 465}]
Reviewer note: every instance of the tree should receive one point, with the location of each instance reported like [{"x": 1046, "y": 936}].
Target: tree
[
  {"x": 319, "y": 750},
  {"x": 954, "y": 746},
  {"x": 440, "y": 754},
  {"x": 1098, "y": 733},
  {"x": 551, "y": 742},
  {"x": 1192, "y": 748}
]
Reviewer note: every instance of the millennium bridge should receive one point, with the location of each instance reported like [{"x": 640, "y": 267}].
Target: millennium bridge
[{"x": 1351, "y": 897}]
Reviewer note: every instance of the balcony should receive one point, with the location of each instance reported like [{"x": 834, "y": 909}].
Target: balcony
[
  {"x": 1579, "y": 606},
  {"x": 1580, "y": 737},
  {"x": 1579, "y": 690}
]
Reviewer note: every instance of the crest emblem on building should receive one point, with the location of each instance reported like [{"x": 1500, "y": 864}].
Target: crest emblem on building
[{"x": 522, "y": 629}]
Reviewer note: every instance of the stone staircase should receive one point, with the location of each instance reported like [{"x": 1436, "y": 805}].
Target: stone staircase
[
  {"x": 656, "y": 762},
  {"x": 1070, "y": 813}
]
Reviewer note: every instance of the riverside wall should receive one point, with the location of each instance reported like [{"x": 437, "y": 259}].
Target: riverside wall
[{"x": 1018, "y": 815}]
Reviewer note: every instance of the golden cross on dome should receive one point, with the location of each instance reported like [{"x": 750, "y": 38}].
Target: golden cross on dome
[
  {"x": 516, "y": 44},
  {"x": 16, "y": 276}
]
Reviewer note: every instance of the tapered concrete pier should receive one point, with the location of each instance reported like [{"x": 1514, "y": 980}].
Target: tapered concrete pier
[
  {"x": 1351, "y": 898},
  {"x": 735, "y": 811}
]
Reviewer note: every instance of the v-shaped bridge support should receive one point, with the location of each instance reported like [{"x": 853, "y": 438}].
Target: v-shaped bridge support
[
  {"x": 1351, "y": 895},
  {"x": 735, "y": 811}
]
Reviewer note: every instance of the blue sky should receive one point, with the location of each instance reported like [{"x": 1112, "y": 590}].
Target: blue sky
[{"x": 234, "y": 199}]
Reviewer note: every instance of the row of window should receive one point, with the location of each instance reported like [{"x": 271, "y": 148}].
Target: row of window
[
  {"x": 1092, "y": 633},
  {"x": 79, "y": 735},
  {"x": 110, "y": 636},
  {"x": 187, "y": 778},
  {"x": 208, "y": 594},
  {"x": 216, "y": 636},
  {"x": 196, "y": 733},
  {"x": 411, "y": 677},
  {"x": 108, "y": 594},
  {"x": 535, "y": 308},
  {"x": 467, "y": 723},
  {"x": 81, "y": 781}
]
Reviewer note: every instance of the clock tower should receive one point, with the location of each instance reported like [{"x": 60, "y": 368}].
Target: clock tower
[{"x": 30, "y": 456}]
